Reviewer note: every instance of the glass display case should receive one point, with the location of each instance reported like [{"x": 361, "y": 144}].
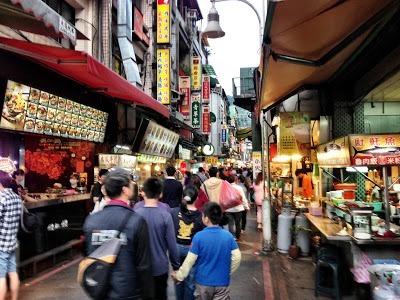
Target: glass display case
[{"x": 287, "y": 191}]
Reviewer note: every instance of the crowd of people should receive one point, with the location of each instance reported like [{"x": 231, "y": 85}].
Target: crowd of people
[{"x": 183, "y": 229}]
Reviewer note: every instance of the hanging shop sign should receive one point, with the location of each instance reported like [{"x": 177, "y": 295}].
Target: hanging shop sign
[
  {"x": 184, "y": 87},
  {"x": 211, "y": 160},
  {"x": 334, "y": 154},
  {"x": 107, "y": 161},
  {"x": 205, "y": 119},
  {"x": 31, "y": 110},
  {"x": 185, "y": 154},
  {"x": 138, "y": 23},
  {"x": 163, "y": 76},
  {"x": 196, "y": 73},
  {"x": 144, "y": 158},
  {"x": 205, "y": 90},
  {"x": 224, "y": 133},
  {"x": 163, "y": 21},
  {"x": 257, "y": 163},
  {"x": 195, "y": 111},
  {"x": 7, "y": 165},
  {"x": 155, "y": 139},
  {"x": 379, "y": 149},
  {"x": 294, "y": 134}
]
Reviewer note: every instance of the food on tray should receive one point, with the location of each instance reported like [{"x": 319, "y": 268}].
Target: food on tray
[
  {"x": 63, "y": 129},
  {"x": 47, "y": 126},
  {"x": 74, "y": 120},
  {"x": 53, "y": 101},
  {"x": 77, "y": 108},
  {"x": 81, "y": 121},
  {"x": 71, "y": 130},
  {"x": 78, "y": 131},
  {"x": 34, "y": 95},
  {"x": 59, "y": 116},
  {"x": 96, "y": 136},
  {"x": 41, "y": 112},
  {"x": 32, "y": 109},
  {"x": 83, "y": 109},
  {"x": 87, "y": 123},
  {"x": 29, "y": 124},
  {"x": 89, "y": 112},
  {"x": 56, "y": 128},
  {"x": 61, "y": 103},
  {"x": 44, "y": 98},
  {"x": 84, "y": 133},
  {"x": 51, "y": 114},
  {"x": 39, "y": 126},
  {"x": 91, "y": 135},
  {"x": 67, "y": 118},
  {"x": 101, "y": 137},
  {"x": 68, "y": 105}
]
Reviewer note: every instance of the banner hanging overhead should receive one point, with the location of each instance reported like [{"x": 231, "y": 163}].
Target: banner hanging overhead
[
  {"x": 195, "y": 113},
  {"x": 163, "y": 21},
  {"x": 163, "y": 76},
  {"x": 184, "y": 87},
  {"x": 205, "y": 90},
  {"x": 196, "y": 73}
]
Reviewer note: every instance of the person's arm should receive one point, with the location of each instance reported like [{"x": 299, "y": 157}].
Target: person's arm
[
  {"x": 236, "y": 257},
  {"x": 143, "y": 261},
  {"x": 171, "y": 241},
  {"x": 187, "y": 265},
  {"x": 27, "y": 198}
]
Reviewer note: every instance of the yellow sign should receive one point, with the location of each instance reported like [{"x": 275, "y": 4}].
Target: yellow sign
[
  {"x": 294, "y": 134},
  {"x": 163, "y": 21},
  {"x": 196, "y": 73},
  {"x": 211, "y": 160},
  {"x": 334, "y": 154},
  {"x": 163, "y": 75}
]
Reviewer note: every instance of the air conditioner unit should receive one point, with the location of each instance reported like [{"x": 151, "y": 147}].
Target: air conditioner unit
[{"x": 191, "y": 14}]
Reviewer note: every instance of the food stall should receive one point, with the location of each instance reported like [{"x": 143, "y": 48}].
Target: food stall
[
  {"x": 50, "y": 137},
  {"x": 348, "y": 223}
]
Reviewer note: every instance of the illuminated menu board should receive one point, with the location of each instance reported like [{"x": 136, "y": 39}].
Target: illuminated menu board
[{"x": 31, "y": 110}]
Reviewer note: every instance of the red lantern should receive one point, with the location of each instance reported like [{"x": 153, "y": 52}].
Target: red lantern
[{"x": 183, "y": 167}]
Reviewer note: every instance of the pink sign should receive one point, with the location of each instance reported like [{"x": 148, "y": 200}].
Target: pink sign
[{"x": 205, "y": 89}]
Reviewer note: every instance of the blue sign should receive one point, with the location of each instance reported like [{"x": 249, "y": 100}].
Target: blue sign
[{"x": 223, "y": 136}]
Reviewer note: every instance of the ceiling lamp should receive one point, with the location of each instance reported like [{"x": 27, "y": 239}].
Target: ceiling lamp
[{"x": 213, "y": 29}]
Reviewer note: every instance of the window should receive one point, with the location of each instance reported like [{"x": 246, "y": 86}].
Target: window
[{"x": 65, "y": 10}]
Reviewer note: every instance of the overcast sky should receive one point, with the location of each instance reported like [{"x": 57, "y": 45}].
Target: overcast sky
[{"x": 240, "y": 47}]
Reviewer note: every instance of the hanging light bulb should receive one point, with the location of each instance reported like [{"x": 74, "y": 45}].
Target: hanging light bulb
[{"x": 213, "y": 29}]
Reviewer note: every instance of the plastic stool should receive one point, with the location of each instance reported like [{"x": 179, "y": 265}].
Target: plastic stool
[{"x": 332, "y": 289}]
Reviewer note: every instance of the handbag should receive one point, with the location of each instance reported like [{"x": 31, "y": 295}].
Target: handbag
[
  {"x": 29, "y": 221},
  {"x": 95, "y": 269},
  {"x": 229, "y": 196}
]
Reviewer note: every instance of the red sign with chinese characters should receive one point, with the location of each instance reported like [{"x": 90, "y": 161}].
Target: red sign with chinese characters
[
  {"x": 205, "y": 120},
  {"x": 382, "y": 149},
  {"x": 205, "y": 89},
  {"x": 184, "y": 87},
  {"x": 138, "y": 23}
]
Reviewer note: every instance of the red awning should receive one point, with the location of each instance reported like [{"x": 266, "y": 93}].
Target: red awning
[{"x": 86, "y": 70}]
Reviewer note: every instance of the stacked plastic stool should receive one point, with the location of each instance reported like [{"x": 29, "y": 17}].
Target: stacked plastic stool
[{"x": 327, "y": 271}]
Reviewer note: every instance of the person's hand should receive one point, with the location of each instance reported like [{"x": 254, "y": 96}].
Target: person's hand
[{"x": 173, "y": 276}]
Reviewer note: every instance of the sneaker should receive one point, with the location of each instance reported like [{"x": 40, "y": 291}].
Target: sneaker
[{"x": 242, "y": 231}]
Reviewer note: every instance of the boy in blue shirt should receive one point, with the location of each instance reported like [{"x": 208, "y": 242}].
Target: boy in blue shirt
[{"x": 216, "y": 255}]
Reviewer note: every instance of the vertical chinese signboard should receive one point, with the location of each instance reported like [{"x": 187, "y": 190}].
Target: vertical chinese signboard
[
  {"x": 224, "y": 133},
  {"x": 205, "y": 90},
  {"x": 294, "y": 134},
  {"x": 195, "y": 113},
  {"x": 196, "y": 73},
  {"x": 163, "y": 76},
  {"x": 138, "y": 23},
  {"x": 257, "y": 166},
  {"x": 163, "y": 21},
  {"x": 205, "y": 119},
  {"x": 184, "y": 87}
]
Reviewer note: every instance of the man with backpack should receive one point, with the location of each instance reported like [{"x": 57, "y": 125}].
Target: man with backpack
[{"x": 131, "y": 276}]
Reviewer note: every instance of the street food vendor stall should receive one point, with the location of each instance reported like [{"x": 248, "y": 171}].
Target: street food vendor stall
[{"x": 356, "y": 223}]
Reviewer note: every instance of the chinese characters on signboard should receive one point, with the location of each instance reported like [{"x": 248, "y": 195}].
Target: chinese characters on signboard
[
  {"x": 163, "y": 76},
  {"x": 205, "y": 91},
  {"x": 163, "y": 21},
  {"x": 224, "y": 133},
  {"x": 138, "y": 23},
  {"x": 107, "y": 161},
  {"x": 256, "y": 163},
  {"x": 195, "y": 113},
  {"x": 368, "y": 150},
  {"x": 205, "y": 119},
  {"x": 335, "y": 153},
  {"x": 196, "y": 73},
  {"x": 184, "y": 87}
]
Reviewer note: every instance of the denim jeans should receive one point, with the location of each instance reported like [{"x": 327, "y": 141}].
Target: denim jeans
[{"x": 185, "y": 290}]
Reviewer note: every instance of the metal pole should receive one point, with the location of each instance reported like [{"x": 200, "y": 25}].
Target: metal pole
[
  {"x": 255, "y": 10},
  {"x": 385, "y": 194}
]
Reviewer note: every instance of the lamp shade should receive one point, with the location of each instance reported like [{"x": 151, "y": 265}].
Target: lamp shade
[{"x": 213, "y": 29}]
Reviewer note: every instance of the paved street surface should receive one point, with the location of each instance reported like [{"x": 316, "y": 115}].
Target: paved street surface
[{"x": 274, "y": 276}]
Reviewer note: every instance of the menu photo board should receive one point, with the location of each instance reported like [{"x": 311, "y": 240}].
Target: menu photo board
[
  {"x": 155, "y": 139},
  {"x": 31, "y": 110}
]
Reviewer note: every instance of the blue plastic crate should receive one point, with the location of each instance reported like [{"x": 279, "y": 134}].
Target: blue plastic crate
[{"x": 385, "y": 262}]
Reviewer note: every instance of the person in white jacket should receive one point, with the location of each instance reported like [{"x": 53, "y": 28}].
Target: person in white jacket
[
  {"x": 234, "y": 214},
  {"x": 102, "y": 201}
]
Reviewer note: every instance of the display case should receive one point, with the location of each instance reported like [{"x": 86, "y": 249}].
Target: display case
[{"x": 287, "y": 191}]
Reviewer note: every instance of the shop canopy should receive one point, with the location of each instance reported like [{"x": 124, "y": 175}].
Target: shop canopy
[
  {"x": 86, "y": 70},
  {"x": 307, "y": 43},
  {"x": 37, "y": 17}
]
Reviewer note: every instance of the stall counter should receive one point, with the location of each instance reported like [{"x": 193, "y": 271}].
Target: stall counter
[{"x": 49, "y": 199}]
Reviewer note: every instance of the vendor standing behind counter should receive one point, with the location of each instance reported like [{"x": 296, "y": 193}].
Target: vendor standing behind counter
[
  {"x": 306, "y": 185},
  {"x": 75, "y": 184}
]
